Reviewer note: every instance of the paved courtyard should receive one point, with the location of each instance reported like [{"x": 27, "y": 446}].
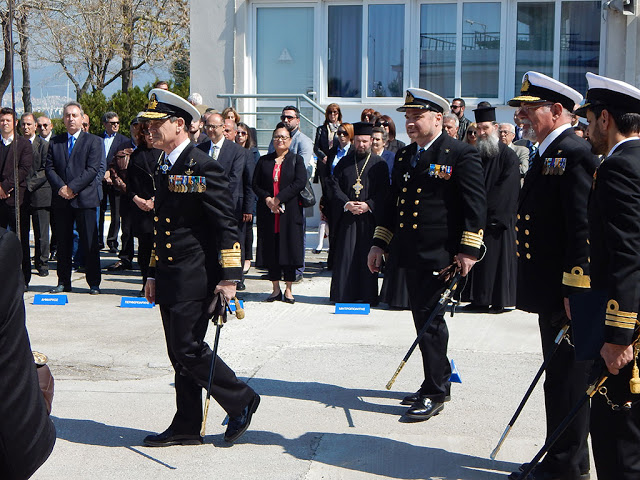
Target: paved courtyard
[{"x": 325, "y": 412}]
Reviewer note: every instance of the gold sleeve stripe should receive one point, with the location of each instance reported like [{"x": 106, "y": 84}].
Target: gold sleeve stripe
[
  {"x": 576, "y": 278},
  {"x": 383, "y": 234},
  {"x": 627, "y": 326},
  {"x": 231, "y": 257},
  {"x": 152, "y": 260},
  {"x": 472, "y": 239}
]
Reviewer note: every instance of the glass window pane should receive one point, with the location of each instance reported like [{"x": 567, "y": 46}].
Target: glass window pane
[
  {"x": 385, "y": 51},
  {"x": 283, "y": 62},
  {"x": 579, "y": 43},
  {"x": 480, "y": 49},
  {"x": 534, "y": 44},
  {"x": 345, "y": 51},
  {"x": 438, "y": 48}
]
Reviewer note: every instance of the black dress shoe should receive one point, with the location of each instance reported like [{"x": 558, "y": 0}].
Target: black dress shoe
[
  {"x": 424, "y": 408},
  {"x": 60, "y": 289},
  {"x": 169, "y": 437},
  {"x": 240, "y": 286},
  {"x": 414, "y": 397},
  {"x": 238, "y": 425},
  {"x": 291, "y": 300},
  {"x": 541, "y": 473},
  {"x": 474, "y": 308},
  {"x": 274, "y": 298},
  {"x": 43, "y": 272},
  {"x": 94, "y": 291},
  {"x": 118, "y": 266}
]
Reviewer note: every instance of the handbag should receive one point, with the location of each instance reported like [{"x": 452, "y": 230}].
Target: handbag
[{"x": 307, "y": 197}]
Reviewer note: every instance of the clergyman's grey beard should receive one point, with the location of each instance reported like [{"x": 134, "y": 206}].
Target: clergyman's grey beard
[{"x": 488, "y": 147}]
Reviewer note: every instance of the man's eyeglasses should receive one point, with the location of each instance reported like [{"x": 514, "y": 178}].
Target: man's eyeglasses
[
  {"x": 455, "y": 107},
  {"x": 114, "y": 123},
  {"x": 505, "y": 132},
  {"x": 43, "y": 125},
  {"x": 281, "y": 137},
  {"x": 213, "y": 126},
  {"x": 531, "y": 107},
  {"x": 287, "y": 117}
]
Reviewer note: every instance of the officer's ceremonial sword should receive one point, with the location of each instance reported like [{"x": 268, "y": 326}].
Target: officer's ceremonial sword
[
  {"x": 445, "y": 298},
  {"x": 561, "y": 335}
]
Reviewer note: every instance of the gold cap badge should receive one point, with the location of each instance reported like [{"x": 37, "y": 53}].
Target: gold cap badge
[
  {"x": 153, "y": 102},
  {"x": 525, "y": 84}
]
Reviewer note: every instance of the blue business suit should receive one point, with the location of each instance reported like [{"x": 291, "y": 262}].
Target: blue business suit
[{"x": 79, "y": 172}]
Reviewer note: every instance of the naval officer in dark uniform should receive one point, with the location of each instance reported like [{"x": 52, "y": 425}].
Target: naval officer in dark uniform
[
  {"x": 196, "y": 255},
  {"x": 612, "y": 108},
  {"x": 553, "y": 251},
  {"x": 437, "y": 210}
]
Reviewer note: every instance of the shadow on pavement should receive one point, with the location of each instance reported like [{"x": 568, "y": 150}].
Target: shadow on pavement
[{"x": 383, "y": 456}]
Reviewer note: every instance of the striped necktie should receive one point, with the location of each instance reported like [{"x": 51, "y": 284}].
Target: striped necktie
[{"x": 416, "y": 157}]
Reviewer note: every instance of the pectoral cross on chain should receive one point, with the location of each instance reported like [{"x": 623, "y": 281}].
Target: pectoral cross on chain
[
  {"x": 406, "y": 176},
  {"x": 358, "y": 187}
]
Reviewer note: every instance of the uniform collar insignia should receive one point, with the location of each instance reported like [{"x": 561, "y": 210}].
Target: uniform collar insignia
[{"x": 446, "y": 150}]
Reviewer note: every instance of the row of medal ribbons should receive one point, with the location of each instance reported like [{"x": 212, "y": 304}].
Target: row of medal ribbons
[{"x": 187, "y": 184}]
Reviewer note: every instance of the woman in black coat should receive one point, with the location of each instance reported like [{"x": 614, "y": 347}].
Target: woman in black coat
[
  {"x": 326, "y": 138},
  {"x": 141, "y": 192},
  {"x": 277, "y": 182}
]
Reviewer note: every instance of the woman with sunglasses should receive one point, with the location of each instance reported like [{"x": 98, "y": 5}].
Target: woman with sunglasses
[
  {"x": 279, "y": 178},
  {"x": 344, "y": 134},
  {"x": 245, "y": 139},
  {"x": 471, "y": 137},
  {"x": 326, "y": 137},
  {"x": 393, "y": 144}
]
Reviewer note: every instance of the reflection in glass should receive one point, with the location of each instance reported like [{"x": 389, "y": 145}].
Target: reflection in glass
[
  {"x": 480, "y": 49},
  {"x": 579, "y": 43},
  {"x": 438, "y": 48},
  {"x": 534, "y": 44},
  {"x": 283, "y": 63},
  {"x": 385, "y": 51},
  {"x": 344, "y": 66}
]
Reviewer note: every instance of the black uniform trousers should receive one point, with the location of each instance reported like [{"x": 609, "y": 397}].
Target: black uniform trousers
[
  {"x": 40, "y": 218},
  {"x": 127, "y": 250},
  {"x": 145, "y": 245},
  {"x": 615, "y": 435},
  {"x": 185, "y": 325},
  {"x": 424, "y": 291},
  {"x": 88, "y": 233},
  {"x": 565, "y": 384},
  {"x": 109, "y": 194}
]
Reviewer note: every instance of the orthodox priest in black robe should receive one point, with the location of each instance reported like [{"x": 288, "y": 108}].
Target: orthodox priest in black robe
[
  {"x": 492, "y": 283},
  {"x": 357, "y": 190}
]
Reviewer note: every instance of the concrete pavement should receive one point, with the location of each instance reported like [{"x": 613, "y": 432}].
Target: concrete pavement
[{"x": 325, "y": 412}]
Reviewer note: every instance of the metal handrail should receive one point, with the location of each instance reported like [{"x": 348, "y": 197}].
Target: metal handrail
[{"x": 298, "y": 97}]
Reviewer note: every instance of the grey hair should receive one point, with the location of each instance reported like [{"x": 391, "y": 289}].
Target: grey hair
[
  {"x": 451, "y": 116},
  {"x": 508, "y": 126},
  {"x": 73, "y": 103}
]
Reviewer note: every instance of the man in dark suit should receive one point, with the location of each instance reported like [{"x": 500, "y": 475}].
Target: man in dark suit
[
  {"x": 27, "y": 434},
  {"x": 73, "y": 163},
  {"x": 233, "y": 158},
  {"x": 553, "y": 251},
  {"x": 437, "y": 210},
  {"x": 197, "y": 255},
  {"x": 612, "y": 108},
  {"x": 10, "y": 194},
  {"x": 111, "y": 138},
  {"x": 37, "y": 203}
]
